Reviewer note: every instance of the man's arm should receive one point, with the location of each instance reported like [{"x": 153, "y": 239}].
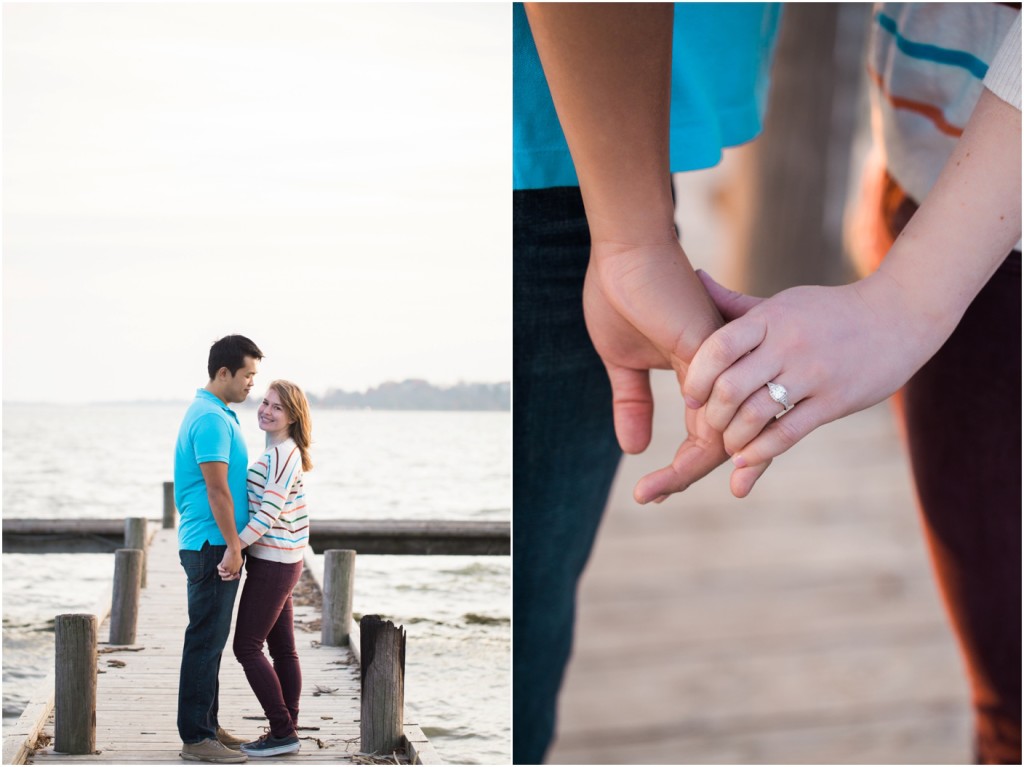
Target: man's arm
[
  {"x": 608, "y": 67},
  {"x": 215, "y": 474}
]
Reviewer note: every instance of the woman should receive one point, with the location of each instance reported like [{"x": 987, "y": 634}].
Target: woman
[
  {"x": 276, "y": 538},
  {"x": 942, "y": 310}
]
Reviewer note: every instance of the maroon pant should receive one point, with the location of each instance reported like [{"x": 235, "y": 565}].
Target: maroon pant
[
  {"x": 265, "y": 615},
  {"x": 962, "y": 413}
]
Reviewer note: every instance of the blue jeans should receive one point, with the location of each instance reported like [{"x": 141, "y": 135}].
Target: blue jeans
[
  {"x": 564, "y": 457},
  {"x": 210, "y": 602}
]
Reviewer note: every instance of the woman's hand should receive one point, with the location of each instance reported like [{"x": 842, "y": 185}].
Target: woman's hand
[{"x": 837, "y": 350}]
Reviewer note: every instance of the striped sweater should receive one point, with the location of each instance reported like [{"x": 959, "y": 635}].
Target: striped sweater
[
  {"x": 278, "y": 528},
  {"x": 929, "y": 63}
]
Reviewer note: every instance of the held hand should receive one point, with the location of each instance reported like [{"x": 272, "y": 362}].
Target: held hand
[
  {"x": 230, "y": 567},
  {"x": 836, "y": 350},
  {"x": 226, "y": 576},
  {"x": 700, "y": 453},
  {"x": 644, "y": 310}
]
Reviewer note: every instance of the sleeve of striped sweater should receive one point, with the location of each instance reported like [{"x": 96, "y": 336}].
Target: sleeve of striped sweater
[
  {"x": 1003, "y": 77},
  {"x": 281, "y": 470}
]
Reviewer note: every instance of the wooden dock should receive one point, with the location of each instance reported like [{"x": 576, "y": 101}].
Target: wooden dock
[
  {"x": 801, "y": 625},
  {"x": 138, "y": 684}
]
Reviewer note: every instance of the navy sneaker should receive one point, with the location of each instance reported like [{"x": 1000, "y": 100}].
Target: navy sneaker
[{"x": 268, "y": 745}]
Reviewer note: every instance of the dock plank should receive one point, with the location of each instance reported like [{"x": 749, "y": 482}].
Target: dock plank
[{"x": 138, "y": 685}]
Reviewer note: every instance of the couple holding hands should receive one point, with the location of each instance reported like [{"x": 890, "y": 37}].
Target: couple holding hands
[
  {"x": 227, "y": 505},
  {"x": 609, "y": 100}
]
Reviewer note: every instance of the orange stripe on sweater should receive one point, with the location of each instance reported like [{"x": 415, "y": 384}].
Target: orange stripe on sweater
[{"x": 930, "y": 111}]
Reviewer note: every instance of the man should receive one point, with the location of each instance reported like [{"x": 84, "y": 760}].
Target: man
[
  {"x": 210, "y": 465},
  {"x": 591, "y": 84}
]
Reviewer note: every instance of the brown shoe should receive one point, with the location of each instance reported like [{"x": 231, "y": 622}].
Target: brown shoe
[
  {"x": 229, "y": 740},
  {"x": 211, "y": 750}
]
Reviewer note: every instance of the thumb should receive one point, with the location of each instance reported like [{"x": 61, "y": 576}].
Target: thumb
[
  {"x": 632, "y": 407},
  {"x": 730, "y": 303}
]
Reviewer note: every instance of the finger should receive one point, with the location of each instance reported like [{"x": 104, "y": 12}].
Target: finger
[
  {"x": 780, "y": 435},
  {"x": 736, "y": 386},
  {"x": 694, "y": 460},
  {"x": 632, "y": 407},
  {"x": 752, "y": 417},
  {"x": 719, "y": 352},
  {"x": 742, "y": 480},
  {"x": 730, "y": 303}
]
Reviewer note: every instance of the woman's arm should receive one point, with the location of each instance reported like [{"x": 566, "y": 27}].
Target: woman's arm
[
  {"x": 282, "y": 469},
  {"x": 839, "y": 350}
]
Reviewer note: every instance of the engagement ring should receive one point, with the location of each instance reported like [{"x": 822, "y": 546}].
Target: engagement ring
[{"x": 778, "y": 393}]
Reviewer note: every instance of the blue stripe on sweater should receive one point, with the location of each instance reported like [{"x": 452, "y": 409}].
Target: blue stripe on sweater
[
  {"x": 285, "y": 539},
  {"x": 926, "y": 52}
]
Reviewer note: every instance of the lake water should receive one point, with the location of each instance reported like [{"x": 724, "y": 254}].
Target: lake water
[{"x": 109, "y": 461}]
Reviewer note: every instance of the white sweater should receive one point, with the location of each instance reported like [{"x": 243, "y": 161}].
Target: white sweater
[
  {"x": 278, "y": 528},
  {"x": 930, "y": 63}
]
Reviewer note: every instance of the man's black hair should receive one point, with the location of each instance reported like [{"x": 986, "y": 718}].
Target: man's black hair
[{"x": 230, "y": 352}]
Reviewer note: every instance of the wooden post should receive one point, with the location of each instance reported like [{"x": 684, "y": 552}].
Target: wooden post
[
  {"x": 124, "y": 610},
  {"x": 339, "y": 576},
  {"x": 75, "y": 684},
  {"x": 790, "y": 230},
  {"x": 135, "y": 538},
  {"x": 169, "y": 506},
  {"x": 382, "y": 648}
]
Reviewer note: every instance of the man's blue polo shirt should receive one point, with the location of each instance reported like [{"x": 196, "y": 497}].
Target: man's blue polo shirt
[
  {"x": 721, "y": 61},
  {"x": 210, "y": 432}
]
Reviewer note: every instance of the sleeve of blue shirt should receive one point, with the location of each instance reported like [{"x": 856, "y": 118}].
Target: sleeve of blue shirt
[{"x": 211, "y": 439}]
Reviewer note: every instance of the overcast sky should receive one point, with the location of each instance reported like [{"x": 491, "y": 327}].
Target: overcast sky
[{"x": 330, "y": 180}]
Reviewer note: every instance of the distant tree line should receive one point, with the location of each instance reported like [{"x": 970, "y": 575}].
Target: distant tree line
[{"x": 417, "y": 394}]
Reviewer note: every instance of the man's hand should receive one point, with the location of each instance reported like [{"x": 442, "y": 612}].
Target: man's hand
[
  {"x": 701, "y": 452},
  {"x": 645, "y": 311},
  {"x": 230, "y": 567}
]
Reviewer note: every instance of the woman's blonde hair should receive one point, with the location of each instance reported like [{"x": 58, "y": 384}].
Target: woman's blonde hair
[{"x": 297, "y": 407}]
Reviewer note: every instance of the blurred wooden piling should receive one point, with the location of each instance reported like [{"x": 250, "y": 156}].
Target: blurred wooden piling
[
  {"x": 169, "y": 508},
  {"x": 383, "y": 686},
  {"x": 75, "y": 692},
  {"x": 339, "y": 580},
  {"x": 800, "y": 625},
  {"x": 124, "y": 610},
  {"x": 135, "y": 537}
]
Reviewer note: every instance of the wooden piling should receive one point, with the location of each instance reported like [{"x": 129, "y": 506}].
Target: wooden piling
[
  {"x": 339, "y": 577},
  {"x": 169, "y": 506},
  {"x": 383, "y": 685},
  {"x": 124, "y": 608},
  {"x": 75, "y": 684},
  {"x": 135, "y": 538}
]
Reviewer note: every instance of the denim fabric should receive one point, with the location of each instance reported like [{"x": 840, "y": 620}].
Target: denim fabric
[
  {"x": 265, "y": 615},
  {"x": 565, "y": 454},
  {"x": 210, "y": 603}
]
